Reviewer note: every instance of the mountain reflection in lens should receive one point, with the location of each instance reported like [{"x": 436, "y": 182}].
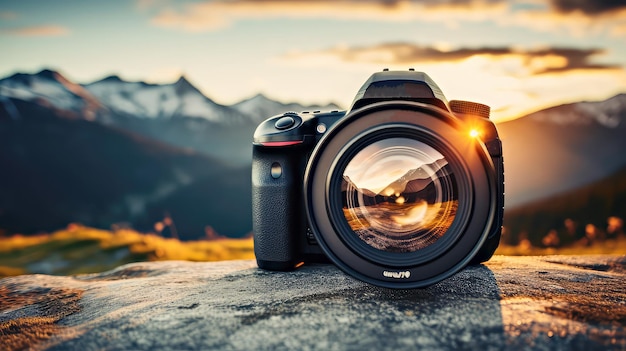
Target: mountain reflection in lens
[{"x": 399, "y": 195}]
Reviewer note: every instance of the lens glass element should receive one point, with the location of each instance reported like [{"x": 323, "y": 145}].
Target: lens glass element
[{"x": 399, "y": 195}]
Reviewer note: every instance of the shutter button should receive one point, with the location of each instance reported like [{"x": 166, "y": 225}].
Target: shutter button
[{"x": 284, "y": 123}]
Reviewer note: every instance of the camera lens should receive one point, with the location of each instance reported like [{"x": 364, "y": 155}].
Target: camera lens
[{"x": 399, "y": 195}]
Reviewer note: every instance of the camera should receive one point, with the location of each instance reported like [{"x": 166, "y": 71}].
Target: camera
[{"x": 401, "y": 191}]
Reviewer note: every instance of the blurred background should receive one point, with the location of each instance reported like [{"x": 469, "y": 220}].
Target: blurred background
[{"x": 125, "y": 126}]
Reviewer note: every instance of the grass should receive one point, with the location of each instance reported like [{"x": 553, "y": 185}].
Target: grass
[
  {"x": 608, "y": 247},
  {"x": 78, "y": 250}
]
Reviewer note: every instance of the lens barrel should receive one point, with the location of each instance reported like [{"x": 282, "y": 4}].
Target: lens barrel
[{"x": 398, "y": 195}]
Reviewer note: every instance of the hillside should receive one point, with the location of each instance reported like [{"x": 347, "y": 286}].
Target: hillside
[
  {"x": 562, "y": 148},
  {"x": 590, "y": 204},
  {"x": 59, "y": 169},
  {"x": 176, "y": 113},
  {"x": 134, "y": 154}
]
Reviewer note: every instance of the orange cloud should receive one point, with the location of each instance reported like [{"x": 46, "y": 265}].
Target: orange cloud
[
  {"x": 536, "y": 61},
  {"x": 579, "y": 17},
  {"x": 37, "y": 31}
]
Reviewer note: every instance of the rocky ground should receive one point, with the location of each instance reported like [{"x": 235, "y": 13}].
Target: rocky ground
[{"x": 539, "y": 303}]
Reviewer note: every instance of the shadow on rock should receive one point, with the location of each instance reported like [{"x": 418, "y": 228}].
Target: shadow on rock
[{"x": 320, "y": 303}]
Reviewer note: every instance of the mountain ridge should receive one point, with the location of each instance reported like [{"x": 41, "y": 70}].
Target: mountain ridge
[
  {"x": 175, "y": 113},
  {"x": 60, "y": 170},
  {"x": 562, "y": 147},
  {"x": 586, "y": 107},
  {"x": 181, "y": 85},
  {"x": 605, "y": 112},
  {"x": 547, "y": 152},
  {"x": 52, "y": 88}
]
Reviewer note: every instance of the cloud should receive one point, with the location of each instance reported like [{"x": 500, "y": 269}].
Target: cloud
[
  {"x": 588, "y": 7},
  {"x": 575, "y": 59},
  {"x": 535, "y": 61},
  {"x": 619, "y": 30},
  {"x": 406, "y": 53},
  {"x": 580, "y": 17},
  {"x": 211, "y": 15},
  {"x": 37, "y": 31}
]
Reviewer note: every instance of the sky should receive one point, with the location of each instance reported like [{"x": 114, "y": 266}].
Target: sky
[
  {"x": 381, "y": 163},
  {"x": 516, "y": 56}
]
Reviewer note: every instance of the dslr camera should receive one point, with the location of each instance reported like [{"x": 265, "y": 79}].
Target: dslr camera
[{"x": 401, "y": 191}]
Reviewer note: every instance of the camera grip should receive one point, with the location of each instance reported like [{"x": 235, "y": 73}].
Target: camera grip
[{"x": 277, "y": 206}]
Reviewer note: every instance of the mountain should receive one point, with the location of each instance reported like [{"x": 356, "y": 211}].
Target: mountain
[
  {"x": 569, "y": 213},
  {"x": 414, "y": 185},
  {"x": 113, "y": 150},
  {"x": 414, "y": 180},
  {"x": 112, "y": 95},
  {"x": 608, "y": 113},
  {"x": 177, "y": 113},
  {"x": 562, "y": 148},
  {"x": 260, "y": 107},
  {"x": 58, "y": 169},
  {"x": 347, "y": 183},
  {"x": 360, "y": 196},
  {"x": 179, "y": 99},
  {"x": 51, "y": 89}
]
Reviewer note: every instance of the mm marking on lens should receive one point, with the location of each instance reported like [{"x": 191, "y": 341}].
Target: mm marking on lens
[{"x": 397, "y": 275}]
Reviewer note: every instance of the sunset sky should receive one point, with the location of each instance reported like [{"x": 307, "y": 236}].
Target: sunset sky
[{"x": 517, "y": 56}]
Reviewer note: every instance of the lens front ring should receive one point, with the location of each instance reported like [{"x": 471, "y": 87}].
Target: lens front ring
[
  {"x": 478, "y": 170},
  {"x": 395, "y": 255}
]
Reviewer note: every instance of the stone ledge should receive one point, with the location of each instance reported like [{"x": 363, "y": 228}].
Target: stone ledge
[{"x": 550, "y": 302}]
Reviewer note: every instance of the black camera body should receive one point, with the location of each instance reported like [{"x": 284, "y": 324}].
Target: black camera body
[{"x": 401, "y": 191}]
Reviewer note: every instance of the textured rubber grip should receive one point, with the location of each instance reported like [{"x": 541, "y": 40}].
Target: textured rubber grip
[{"x": 276, "y": 207}]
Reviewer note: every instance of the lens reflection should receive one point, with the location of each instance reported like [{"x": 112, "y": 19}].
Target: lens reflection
[{"x": 399, "y": 195}]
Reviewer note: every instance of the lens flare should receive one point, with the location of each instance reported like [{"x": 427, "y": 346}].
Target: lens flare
[{"x": 474, "y": 133}]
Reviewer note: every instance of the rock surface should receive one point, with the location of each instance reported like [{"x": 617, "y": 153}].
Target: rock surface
[{"x": 539, "y": 303}]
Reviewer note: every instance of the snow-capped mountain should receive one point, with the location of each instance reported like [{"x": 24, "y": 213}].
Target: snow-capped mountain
[
  {"x": 179, "y": 99},
  {"x": 547, "y": 152},
  {"x": 260, "y": 107},
  {"x": 420, "y": 176},
  {"x": 115, "y": 96},
  {"x": 58, "y": 170},
  {"x": 124, "y": 139},
  {"x": 176, "y": 113},
  {"x": 610, "y": 113},
  {"x": 50, "y": 88}
]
